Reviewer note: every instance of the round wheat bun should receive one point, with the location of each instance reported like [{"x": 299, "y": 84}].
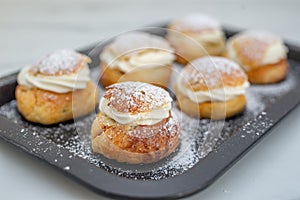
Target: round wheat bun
[
  {"x": 209, "y": 74},
  {"x": 210, "y": 110},
  {"x": 186, "y": 35},
  {"x": 251, "y": 48},
  {"x": 159, "y": 76},
  {"x": 125, "y": 58},
  {"x": 114, "y": 141},
  {"x": 46, "y": 107}
]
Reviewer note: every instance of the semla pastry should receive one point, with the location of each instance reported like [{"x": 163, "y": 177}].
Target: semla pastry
[
  {"x": 261, "y": 54},
  {"x": 137, "y": 56},
  {"x": 195, "y": 36},
  {"x": 211, "y": 87},
  {"x": 56, "y": 89},
  {"x": 135, "y": 124}
]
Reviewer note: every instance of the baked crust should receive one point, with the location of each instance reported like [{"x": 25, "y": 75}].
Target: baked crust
[
  {"x": 159, "y": 76},
  {"x": 183, "y": 34},
  {"x": 209, "y": 73},
  {"x": 269, "y": 73},
  {"x": 134, "y": 144},
  {"x": 61, "y": 62},
  {"x": 46, "y": 107},
  {"x": 250, "y": 49},
  {"x": 211, "y": 110}
]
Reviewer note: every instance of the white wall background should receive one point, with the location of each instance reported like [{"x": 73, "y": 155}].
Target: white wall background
[{"x": 31, "y": 28}]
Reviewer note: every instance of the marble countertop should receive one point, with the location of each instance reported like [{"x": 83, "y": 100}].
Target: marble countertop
[{"x": 32, "y": 28}]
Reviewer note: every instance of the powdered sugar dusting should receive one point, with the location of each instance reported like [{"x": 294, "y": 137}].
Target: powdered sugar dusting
[
  {"x": 213, "y": 72},
  {"x": 268, "y": 93},
  {"x": 196, "y": 22},
  {"x": 135, "y": 97},
  {"x": 252, "y": 45},
  {"x": 262, "y": 36},
  {"x": 59, "y": 62}
]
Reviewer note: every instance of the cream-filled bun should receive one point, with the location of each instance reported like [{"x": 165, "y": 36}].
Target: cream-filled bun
[
  {"x": 57, "y": 88},
  {"x": 196, "y": 36},
  {"x": 135, "y": 124},
  {"x": 137, "y": 56},
  {"x": 261, "y": 54},
  {"x": 211, "y": 87}
]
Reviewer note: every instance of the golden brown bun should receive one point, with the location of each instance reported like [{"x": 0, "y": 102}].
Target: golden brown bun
[
  {"x": 159, "y": 76},
  {"x": 269, "y": 73},
  {"x": 187, "y": 36},
  {"x": 211, "y": 110},
  {"x": 250, "y": 49},
  {"x": 210, "y": 73},
  {"x": 46, "y": 107},
  {"x": 134, "y": 144}
]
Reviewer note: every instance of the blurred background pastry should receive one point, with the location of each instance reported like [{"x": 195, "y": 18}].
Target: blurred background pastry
[
  {"x": 195, "y": 36},
  {"x": 137, "y": 56},
  {"x": 211, "y": 87},
  {"x": 262, "y": 55},
  {"x": 56, "y": 89},
  {"x": 135, "y": 124}
]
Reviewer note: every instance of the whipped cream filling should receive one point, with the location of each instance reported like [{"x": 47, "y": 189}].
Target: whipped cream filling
[
  {"x": 148, "y": 59},
  {"x": 221, "y": 94},
  {"x": 145, "y": 118},
  {"x": 58, "y": 84},
  {"x": 207, "y": 37},
  {"x": 273, "y": 54}
]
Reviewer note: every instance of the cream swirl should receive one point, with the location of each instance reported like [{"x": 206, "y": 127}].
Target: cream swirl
[
  {"x": 57, "y": 83},
  {"x": 144, "y": 118},
  {"x": 274, "y": 53},
  {"x": 137, "y": 50},
  {"x": 213, "y": 95},
  {"x": 211, "y": 36},
  {"x": 206, "y": 37},
  {"x": 147, "y": 59}
]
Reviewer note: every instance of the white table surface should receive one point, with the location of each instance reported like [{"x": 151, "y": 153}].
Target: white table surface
[{"x": 32, "y": 28}]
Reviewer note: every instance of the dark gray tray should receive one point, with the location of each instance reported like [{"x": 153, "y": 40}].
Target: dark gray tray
[{"x": 55, "y": 144}]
